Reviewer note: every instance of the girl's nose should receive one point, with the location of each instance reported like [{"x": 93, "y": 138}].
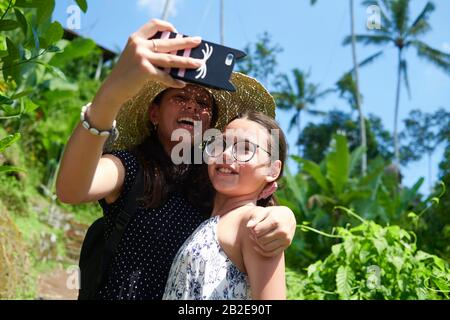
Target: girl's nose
[
  {"x": 227, "y": 155},
  {"x": 191, "y": 104}
]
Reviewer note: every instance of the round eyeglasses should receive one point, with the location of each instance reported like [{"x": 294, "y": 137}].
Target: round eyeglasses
[{"x": 242, "y": 151}]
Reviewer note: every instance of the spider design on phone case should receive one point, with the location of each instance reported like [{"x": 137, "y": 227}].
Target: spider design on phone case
[{"x": 202, "y": 71}]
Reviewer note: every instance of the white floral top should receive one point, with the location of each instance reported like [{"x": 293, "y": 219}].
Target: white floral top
[{"x": 202, "y": 271}]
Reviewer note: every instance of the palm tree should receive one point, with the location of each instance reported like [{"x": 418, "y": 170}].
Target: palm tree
[
  {"x": 300, "y": 97},
  {"x": 425, "y": 132},
  {"x": 362, "y": 124},
  {"x": 398, "y": 30},
  {"x": 165, "y": 13},
  {"x": 356, "y": 92}
]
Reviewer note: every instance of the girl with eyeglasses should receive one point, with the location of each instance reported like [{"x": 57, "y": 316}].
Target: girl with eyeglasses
[{"x": 218, "y": 260}]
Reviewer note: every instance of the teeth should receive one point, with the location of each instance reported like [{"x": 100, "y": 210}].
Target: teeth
[
  {"x": 186, "y": 119},
  {"x": 225, "y": 170}
]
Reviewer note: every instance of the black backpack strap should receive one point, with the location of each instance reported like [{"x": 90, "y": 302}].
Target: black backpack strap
[{"x": 123, "y": 218}]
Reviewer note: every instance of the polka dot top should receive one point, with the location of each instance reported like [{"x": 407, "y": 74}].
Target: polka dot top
[{"x": 144, "y": 255}]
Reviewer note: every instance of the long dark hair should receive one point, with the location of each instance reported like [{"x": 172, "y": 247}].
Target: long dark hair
[{"x": 280, "y": 144}]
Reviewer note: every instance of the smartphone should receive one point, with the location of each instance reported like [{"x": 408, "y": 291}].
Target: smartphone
[{"x": 218, "y": 66}]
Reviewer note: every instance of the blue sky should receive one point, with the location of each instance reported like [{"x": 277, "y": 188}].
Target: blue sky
[{"x": 311, "y": 38}]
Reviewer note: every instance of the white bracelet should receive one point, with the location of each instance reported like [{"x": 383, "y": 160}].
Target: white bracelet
[{"x": 94, "y": 131}]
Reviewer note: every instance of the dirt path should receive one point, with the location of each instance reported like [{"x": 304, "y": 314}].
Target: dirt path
[
  {"x": 58, "y": 284},
  {"x": 52, "y": 286}
]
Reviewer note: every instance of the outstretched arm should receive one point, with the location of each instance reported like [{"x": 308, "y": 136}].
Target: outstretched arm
[{"x": 84, "y": 175}]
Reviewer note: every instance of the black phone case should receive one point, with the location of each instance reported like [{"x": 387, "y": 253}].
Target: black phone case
[{"x": 219, "y": 63}]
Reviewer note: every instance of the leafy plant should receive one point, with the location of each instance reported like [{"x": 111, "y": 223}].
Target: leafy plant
[
  {"x": 433, "y": 229},
  {"x": 318, "y": 188},
  {"x": 27, "y": 35},
  {"x": 373, "y": 262},
  {"x": 34, "y": 95}
]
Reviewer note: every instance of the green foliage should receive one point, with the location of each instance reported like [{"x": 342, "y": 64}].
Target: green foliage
[
  {"x": 54, "y": 111},
  {"x": 44, "y": 80},
  {"x": 433, "y": 229},
  {"x": 84, "y": 213},
  {"x": 298, "y": 95},
  {"x": 314, "y": 192},
  {"x": 372, "y": 262},
  {"x": 424, "y": 131},
  {"x": 13, "y": 195},
  {"x": 261, "y": 60},
  {"x": 338, "y": 164},
  {"x": 347, "y": 89},
  {"x": 316, "y": 137},
  {"x": 82, "y": 4},
  {"x": 42, "y": 89},
  {"x": 27, "y": 37}
]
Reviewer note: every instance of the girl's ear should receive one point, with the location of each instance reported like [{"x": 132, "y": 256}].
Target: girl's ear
[
  {"x": 274, "y": 171},
  {"x": 153, "y": 113}
]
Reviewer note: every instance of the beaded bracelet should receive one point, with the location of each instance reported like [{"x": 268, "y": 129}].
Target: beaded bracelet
[{"x": 94, "y": 131}]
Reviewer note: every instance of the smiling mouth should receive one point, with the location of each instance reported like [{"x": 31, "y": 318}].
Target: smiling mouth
[
  {"x": 186, "y": 121},
  {"x": 226, "y": 171}
]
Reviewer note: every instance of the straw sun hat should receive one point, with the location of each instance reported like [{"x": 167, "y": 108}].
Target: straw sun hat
[{"x": 132, "y": 120}]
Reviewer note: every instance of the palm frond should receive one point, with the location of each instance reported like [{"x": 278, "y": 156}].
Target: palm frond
[
  {"x": 368, "y": 60},
  {"x": 293, "y": 121},
  {"x": 284, "y": 100},
  {"x": 379, "y": 3},
  {"x": 421, "y": 25},
  {"x": 284, "y": 83},
  {"x": 300, "y": 80},
  {"x": 435, "y": 56},
  {"x": 387, "y": 4},
  {"x": 368, "y": 39},
  {"x": 346, "y": 86},
  {"x": 315, "y": 112},
  {"x": 386, "y": 22},
  {"x": 324, "y": 93},
  {"x": 400, "y": 15},
  {"x": 404, "y": 71},
  {"x": 280, "y": 100}
]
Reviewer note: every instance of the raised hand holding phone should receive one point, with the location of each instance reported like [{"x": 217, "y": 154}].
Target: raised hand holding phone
[
  {"x": 218, "y": 62},
  {"x": 140, "y": 62}
]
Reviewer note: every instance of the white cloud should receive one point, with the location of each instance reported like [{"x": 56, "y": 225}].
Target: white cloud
[
  {"x": 156, "y": 7},
  {"x": 446, "y": 47}
]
